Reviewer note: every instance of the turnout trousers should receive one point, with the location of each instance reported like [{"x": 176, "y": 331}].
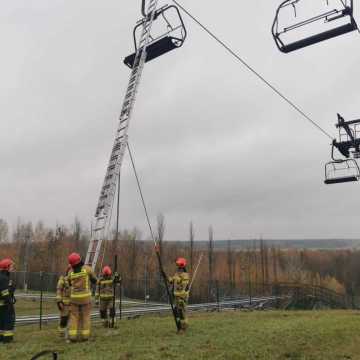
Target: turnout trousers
[
  {"x": 180, "y": 304},
  {"x": 79, "y": 326},
  {"x": 105, "y": 305},
  {"x": 64, "y": 319},
  {"x": 7, "y": 323}
]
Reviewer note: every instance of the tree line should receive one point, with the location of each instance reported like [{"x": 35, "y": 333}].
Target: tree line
[{"x": 38, "y": 248}]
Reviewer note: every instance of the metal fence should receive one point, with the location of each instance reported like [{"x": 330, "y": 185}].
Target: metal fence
[{"x": 152, "y": 289}]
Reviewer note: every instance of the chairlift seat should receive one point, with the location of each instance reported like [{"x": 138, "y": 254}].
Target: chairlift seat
[
  {"x": 333, "y": 15},
  {"x": 340, "y": 180},
  {"x": 154, "y": 50},
  {"x": 314, "y": 39}
]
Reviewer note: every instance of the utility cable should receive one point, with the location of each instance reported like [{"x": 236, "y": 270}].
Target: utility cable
[
  {"x": 251, "y": 69},
  {"x": 141, "y": 193}
]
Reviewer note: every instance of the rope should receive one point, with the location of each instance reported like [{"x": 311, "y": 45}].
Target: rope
[
  {"x": 141, "y": 194},
  {"x": 252, "y": 70}
]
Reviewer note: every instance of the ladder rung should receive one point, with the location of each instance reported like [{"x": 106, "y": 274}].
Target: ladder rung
[{"x": 98, "y": 229}]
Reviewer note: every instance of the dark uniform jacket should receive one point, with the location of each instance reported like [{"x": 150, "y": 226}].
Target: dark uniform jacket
[{"x": 6, "y": 289}]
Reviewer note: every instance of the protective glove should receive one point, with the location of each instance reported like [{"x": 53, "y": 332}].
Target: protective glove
[
  {"x": 117, "y": 278},
  {"x": 60, "y": 305}
]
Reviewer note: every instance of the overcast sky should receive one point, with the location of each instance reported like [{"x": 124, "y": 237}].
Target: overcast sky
[{"x": 212, "y": 144}]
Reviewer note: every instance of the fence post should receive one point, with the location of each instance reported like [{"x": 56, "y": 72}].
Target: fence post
[
  {"x": 217, "y": 295},
  {"x": 120, "y": 300},
  {"x": 41, "y": 299}
]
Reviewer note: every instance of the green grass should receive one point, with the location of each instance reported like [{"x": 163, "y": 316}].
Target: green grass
[{"x": 328, "y": 335}]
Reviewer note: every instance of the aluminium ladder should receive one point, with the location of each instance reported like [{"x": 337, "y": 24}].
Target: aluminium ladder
[{"x": 108, "y": 190}]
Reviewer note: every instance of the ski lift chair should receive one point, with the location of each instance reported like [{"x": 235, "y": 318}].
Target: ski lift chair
[
  {"x": 341, "y": 171},
  {"x": 161, "y": 44},
  {"x": 344, "y": 12}
]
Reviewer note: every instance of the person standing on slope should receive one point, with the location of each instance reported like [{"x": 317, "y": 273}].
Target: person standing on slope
[
  {"x": 180, "y": 282},
  {"x": 80, "y": 278}
]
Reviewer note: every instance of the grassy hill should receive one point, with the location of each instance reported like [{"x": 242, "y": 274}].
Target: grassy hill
[{"x": 217, "y": 336}]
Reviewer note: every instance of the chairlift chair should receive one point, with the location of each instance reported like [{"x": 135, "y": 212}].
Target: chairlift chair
[
  {"x": 160, "y": 44},
  {"x": 341, "y": 16},
  {"x": 341, "y": 171}
]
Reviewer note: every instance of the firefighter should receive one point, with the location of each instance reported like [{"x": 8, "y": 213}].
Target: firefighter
[
  {"x": 80, "y": 278},
  {"x": 63, "y": 302},
  {"x": 7, "y": 301},
  {"x": 180, "y": 282},
  {"x": 105, "y": 294}
]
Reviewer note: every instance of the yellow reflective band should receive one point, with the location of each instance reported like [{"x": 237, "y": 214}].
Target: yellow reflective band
[
  {"x": 79, "y": 296},
  {"x": 85, "y": 332},
  {"x": 106, "y": 282},
  {"x": 5, "y": 292},
  {"x": 66, "y": 302},
  {"x": 8, "y": 333},
  {"x": 73, "y": 332},
  {"x": 82, "y": 273}
]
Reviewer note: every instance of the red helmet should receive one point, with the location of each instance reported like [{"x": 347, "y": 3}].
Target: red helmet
[
  {"x": 5, "y": 264},
  {"x": 74, "y": 259},
  {"x": 181, "y": 262},
  {"x": 106, "y": 270}
]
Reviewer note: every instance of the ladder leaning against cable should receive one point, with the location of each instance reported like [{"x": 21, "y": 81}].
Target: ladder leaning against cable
[{"x": 108, "y": 190}]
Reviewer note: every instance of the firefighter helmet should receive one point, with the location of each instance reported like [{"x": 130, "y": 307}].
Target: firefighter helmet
[
  {"x": 181, "y": 262},
  {"x": 106, "y": 270},
  {"x": 5, "y": 264},
  {"x": 74, "y": 259}
]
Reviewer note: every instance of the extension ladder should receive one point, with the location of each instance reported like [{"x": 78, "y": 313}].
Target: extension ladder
[{"x": 108, "y": 190}]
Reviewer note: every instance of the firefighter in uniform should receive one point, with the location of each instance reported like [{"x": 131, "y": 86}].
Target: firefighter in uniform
[
  {"x": 180, "y": 282},
  {"x": 105, "y": 294},
  {"x": 7, "y": 301},
  {"x": 80, "y": 278},
  {"x": 63, "y": 301}
]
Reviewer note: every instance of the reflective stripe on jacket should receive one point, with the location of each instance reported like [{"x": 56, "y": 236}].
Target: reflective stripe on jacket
[
  {"x": 80, "y": 292},
  {"x": 5, "y": 288},
  {"x": 104, "y": 289},
  {"x": 63, "y": 290},
  {"x": 180, "y": 282}
]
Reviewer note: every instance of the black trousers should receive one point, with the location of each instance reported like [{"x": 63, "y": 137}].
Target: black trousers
[{"x": 7, "y": 322}]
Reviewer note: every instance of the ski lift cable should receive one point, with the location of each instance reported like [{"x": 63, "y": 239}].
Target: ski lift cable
[
  {"x": 256, "y": 73},
  {"x": 141, "y": 194}
]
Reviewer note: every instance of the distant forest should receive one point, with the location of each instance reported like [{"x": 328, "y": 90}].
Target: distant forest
[{"x": 334, "y": 264}]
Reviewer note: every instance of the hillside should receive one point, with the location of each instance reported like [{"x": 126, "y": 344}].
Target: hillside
[{"x": 328, "y": 335}]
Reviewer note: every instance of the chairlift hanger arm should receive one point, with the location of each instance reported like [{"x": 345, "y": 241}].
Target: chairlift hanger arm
[
  {"x": 345, "y": 126},
  {"x": 157, "y": 14}
]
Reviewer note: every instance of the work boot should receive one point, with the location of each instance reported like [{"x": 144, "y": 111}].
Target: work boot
[{"x": 8, "y": 339}]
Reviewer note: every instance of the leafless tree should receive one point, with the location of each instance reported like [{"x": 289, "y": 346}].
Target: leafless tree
[
  {"x": 191, "y": 239},
  {"x": 4, "y": 231}
]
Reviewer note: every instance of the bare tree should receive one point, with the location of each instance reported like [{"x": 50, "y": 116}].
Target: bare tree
[
  {"x": 231, "y": 264},
  {"x": 4, "y": 231},
  {"x": 191, "y": 239},
  {"x": 211, "y": 258},
  {"x": 160, "y": 227}
]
